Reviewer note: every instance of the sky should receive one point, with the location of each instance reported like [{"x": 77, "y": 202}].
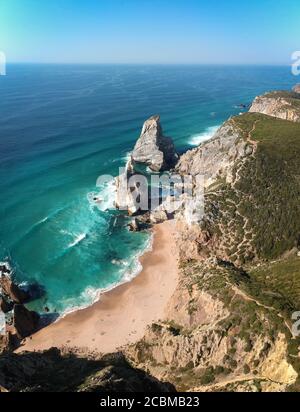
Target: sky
[{"x": 150, "y": 31}]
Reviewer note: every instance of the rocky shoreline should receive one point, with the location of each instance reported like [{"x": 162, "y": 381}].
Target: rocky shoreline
[{"x": 19, "y": 321}]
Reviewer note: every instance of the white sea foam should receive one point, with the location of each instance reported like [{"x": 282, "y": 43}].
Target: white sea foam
[
  {"x": 92, "y": 295},
  {"x": 203, "y": 137},
  {"x": 119, "y": 262},
  {"x": 105, "y": 199},
  {"x": 127, "y": 157},
  {"x": 77, "y": 240},
  {"x": 2, "y": 323},
  {"x": 40, "y": 222}
]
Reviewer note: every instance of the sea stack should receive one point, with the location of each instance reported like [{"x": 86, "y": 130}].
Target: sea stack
[{"x": 154, "y": 149}]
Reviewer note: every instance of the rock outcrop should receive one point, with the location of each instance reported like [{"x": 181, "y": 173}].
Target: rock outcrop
[
  {"x": 153, "y": 149},
  {"x": 25, "y": 322},
  {"x": 128, "y": 191},
  {"x": 296, "y": 88},
  {"x": 214, "y": 334},
  {"x": 283, "y": 105},
  {"x": 215, "y": 158},
  {"x": 9, "y": 289},
  {"x": 55, "y": 371}
]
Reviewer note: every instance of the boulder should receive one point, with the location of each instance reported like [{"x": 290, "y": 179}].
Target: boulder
[
  {"x": 11, "y": 290},
  {"x": 25, "y": 321},
  {"x": 153, "y": 149}
]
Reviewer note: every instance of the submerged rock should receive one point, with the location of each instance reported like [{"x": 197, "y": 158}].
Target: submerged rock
[
  {"x": 25, "y": 321},
  {"x": 154, "y": 149}
]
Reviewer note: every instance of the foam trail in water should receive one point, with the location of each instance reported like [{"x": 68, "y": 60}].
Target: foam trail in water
[
  {"x": 203, "y": 137},
  {"x": 77, "y": 240}
]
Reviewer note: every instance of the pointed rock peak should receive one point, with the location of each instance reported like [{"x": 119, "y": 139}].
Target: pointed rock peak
[{"x": 154, "y": 149}]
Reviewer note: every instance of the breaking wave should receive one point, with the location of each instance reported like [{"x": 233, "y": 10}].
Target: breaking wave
[{"x": 203, "y": 137}]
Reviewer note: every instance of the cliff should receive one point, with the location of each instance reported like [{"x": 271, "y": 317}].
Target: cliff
[
  {"x": 59, "y": 371},
  {"x": 215, "y": 159},
  {"x": 229, "y": 324},
  {"x": 283, "y": 105}
]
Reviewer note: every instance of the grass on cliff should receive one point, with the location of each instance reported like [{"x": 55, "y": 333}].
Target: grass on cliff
[
  {"x": 269, "y": 184},
  {"x": 292, "y": 98},
  {"x": 279, "y": 281}
]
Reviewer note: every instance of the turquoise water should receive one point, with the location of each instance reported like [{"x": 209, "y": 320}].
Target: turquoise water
[{"x": 63, "y": 126}]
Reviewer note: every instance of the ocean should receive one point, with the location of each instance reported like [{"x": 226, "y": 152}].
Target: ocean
[{"x": 62, "y": 126}]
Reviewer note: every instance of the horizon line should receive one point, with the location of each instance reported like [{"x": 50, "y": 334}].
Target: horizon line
[{"x": 149, "y": 64}]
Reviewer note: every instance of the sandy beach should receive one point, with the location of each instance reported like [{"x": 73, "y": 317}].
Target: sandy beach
[{"x": 121, "y": 315}]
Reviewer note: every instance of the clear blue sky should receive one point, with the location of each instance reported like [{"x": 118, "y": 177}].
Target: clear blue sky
[{"x": 150, "y": 31}]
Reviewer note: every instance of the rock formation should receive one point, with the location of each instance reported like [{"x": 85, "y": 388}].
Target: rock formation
[
  {"x": 25, "y": 322},
  {"x": 283, "y": 105},
  {"x": 56, "y": 371},
  {"x": 9, "y": 289},
  {"x": 153, "y": 149},
  {"x": 127, "y": 191},
  {"x": 215, "y": 158}
]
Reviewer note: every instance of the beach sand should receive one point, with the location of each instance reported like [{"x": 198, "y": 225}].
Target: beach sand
[{"x": 121, "y": 315}]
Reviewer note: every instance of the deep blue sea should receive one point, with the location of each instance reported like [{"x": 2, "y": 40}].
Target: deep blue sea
[{"x": 61, "y": 126}]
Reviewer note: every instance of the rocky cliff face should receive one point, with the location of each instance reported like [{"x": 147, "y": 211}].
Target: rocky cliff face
[
  {"x": 56, "y": 371},
  {"x": 283, "y": 105},
  {"x": 215, "y": 337},
  {"x": 12, "y": 299},
  {"x": 228, "y": 326},
  {"x": 215, "y": 158},
  {"x": 153, "y": 148}
]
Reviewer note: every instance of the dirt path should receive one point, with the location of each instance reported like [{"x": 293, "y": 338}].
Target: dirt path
[{"x": 251, "y": 299}]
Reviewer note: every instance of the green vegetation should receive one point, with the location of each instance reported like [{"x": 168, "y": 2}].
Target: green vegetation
[
  {"x": 292, "y": 98},
  {"x": 259, "y": 215},
  {"x": 278, "y": 284}
]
